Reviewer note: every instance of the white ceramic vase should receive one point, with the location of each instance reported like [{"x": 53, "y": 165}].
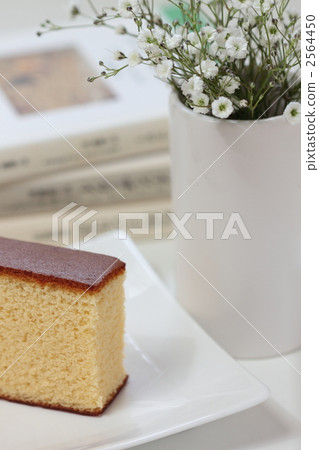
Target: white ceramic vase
[{"x": 245, "y": 292}]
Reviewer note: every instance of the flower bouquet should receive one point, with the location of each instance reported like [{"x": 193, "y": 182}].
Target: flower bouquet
[{"x": 236, "y": 59}]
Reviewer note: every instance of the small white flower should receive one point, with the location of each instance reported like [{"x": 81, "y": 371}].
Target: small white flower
[
  {"x": 241, "y": 5},
  {"x": 127, "y": 8},
  {"x": 246, "y": 24},
  {"x": 192, "y": 87},
  {"x": 195, "y": 44},
  {"x": 178, "y": 81},
  {"x": 223, "y": 34},
  {"x": 213, "y": 48},
  {"x": 164, "y": 69},
  {"x": 148, "y": 41},
  {"x": 272, "y": 32},
  {"x": 250, "y": 19},
  {"x": 158, "y": 33},
  {"x": 243, "y": 103},
  {"x": 157, "y": 19},
  {"x": 208, "y": 68},
  {"x": 209, "y": 33},
  {"x": 222, "y": 54},
  {"x": 145, "y": 39},
  {"x": 236, "y": 47},
  {"x": 293, "y": 113},
  {"x": 120, "y": 29},
  {"x": 262, "y": 5},
  {"x": 200, "y": 103},
  {"x": 193, "y": 38},
  {"x": 229, "y": 84},
  {"x": 222, "y": 108},
  {"x": 118, "y": 55},
  {"x": 134, "y": 58},
  {"x": 174, "y": 41}
]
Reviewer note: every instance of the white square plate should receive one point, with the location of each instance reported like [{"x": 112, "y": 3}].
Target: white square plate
[{"x": 179, "y": 377}]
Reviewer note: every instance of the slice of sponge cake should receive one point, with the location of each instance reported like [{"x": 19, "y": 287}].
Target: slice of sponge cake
[{"x": 61, "y": 327}]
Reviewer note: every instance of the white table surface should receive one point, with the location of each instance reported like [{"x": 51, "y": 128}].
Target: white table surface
[{"x": 273, "y": 425}]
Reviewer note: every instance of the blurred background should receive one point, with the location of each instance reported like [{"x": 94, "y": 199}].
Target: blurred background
[{"x": 64, "y": 141}]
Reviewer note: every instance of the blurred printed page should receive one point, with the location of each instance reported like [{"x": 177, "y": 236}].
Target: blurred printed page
[{"x": 49, "y": 80}]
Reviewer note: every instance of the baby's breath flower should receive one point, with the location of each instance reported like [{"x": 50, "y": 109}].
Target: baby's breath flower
[
  {"x": 225, "y": 33},
  {"x": 178, "y": 81},
  {"x": 229, "y": 84},
  {"x": 246, "y": 24},
  {"x": 293, "y": 113},
  {"x": 251, "y": 17},
  {"x": 134, "y": 58},
  {"x": 209, "y": 33},
  {"x": 222, "y": 54},
  {"x": 127, "y": 8},
  {"x": 241, "y": 5},
  {"x": 236, "y": 47},
  {"x": 120, "y": 29},
  {"x": 192, "y": 87},
  {"x": 271, "y": 32},
  {"x": 74, "y": 8},
  {"x": 221, "y": 36},
  {"x": 150, "y": 40},
  {"x": 158, "y": 34},
  {"x": 208, "y": 68},
  {"x": 222, "y": 107},
  {"x": 164, "y": 69},
  {"x": 213, "y": 48},
  {"x": 195, "y": 45},
  {"x": 174, "y": 41},
  {"x": 261, "y": 6},
  {"x": 193, "y": 38},
  {"x": 200, "y": 103},
  {"x": 118, "y": 55},
  {"x": 146, "y": 39},
  {"x": 157, "y": 19},
  {"x": 243, "y": 103}
]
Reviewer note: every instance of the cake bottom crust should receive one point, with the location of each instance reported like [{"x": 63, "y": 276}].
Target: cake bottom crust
[{"x": 84, "y": 412}]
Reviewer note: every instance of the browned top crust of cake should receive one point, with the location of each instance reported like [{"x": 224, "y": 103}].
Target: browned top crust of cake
[{"x": 46, "y": 264}]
